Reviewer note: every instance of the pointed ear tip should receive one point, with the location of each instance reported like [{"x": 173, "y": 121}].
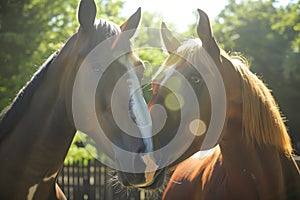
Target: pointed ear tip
[
  {"x": 87, "y": 1},
  {"x": 139, "y": 11},
  {"x": 163, "y": 25},
  {"x": 88, "y": 4},
  {"x": 201, "y": 12}
]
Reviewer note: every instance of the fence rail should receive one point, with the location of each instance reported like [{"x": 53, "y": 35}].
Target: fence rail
[{"x": 89, "y": 180}]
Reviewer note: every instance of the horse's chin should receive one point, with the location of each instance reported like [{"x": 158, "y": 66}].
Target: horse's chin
[
  {"x": 125, "y": 179},
  {"x": 157, "y": 183}
]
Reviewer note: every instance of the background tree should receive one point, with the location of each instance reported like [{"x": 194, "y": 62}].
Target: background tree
[
  {"x": 288, "y": 26},
  {"x": 148, "y": 45},
  {"x": 268, "y": 35},
  {"x": 30, "y": 31}
]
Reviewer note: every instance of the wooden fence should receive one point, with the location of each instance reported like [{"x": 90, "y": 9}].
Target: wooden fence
[{"x": 89, "y": 180}]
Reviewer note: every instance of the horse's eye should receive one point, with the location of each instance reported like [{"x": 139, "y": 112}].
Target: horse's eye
[{"x": 196, "y": 79}]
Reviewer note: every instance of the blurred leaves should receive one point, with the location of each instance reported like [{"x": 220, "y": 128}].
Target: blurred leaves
[
  {"x": 268, "y": 34},
  {"x": 30, "y": 31},
  {"x": 80, "y": 148}
]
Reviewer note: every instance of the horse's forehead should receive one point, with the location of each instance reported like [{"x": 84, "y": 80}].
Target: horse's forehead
[{"x": 97, "y": 38}]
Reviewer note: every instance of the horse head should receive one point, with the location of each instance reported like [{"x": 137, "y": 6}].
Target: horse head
[
  {"x": 210, "y": 99},
  {"x": 107, "y": 101},
  {"x": 213, "y": 99},
  {"x": 195, "y": 87}
]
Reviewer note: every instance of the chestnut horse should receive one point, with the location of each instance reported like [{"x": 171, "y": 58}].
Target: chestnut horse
[
  {"x": 251, "y": 157},
  {"x": 38, "y": 127}
]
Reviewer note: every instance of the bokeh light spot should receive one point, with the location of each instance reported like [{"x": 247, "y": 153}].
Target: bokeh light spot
[
  {"x": 197, "y": 127},
  {"x": 174, "y": 102}
]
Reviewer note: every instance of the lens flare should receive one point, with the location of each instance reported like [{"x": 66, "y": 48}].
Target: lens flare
[
  {"x": 197, "y": 127},
  {"x": 174, "y": 102}
]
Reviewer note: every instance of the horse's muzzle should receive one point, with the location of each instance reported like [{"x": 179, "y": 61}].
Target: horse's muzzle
[{"x": 139, "y": 180}]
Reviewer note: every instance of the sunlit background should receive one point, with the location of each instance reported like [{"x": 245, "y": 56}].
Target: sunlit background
[
  {"x": 181, "y": 13},
  {"x": 174, "y": 11}
]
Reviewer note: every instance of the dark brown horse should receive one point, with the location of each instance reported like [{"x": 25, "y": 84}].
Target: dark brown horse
[
  {"x": 38, "y": 127},
  {"x": 252, "y": 158}
]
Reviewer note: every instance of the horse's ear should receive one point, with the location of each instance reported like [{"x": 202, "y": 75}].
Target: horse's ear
[
  {"x": 205, "y": 34},
  {"x": 170, "y": 42},
  {"x": 86, "y": 14},
  {"x": 132, "y": 23}
]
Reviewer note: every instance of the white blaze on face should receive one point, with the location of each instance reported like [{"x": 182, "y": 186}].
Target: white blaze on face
[
  {"x": 138, "y": 104},
  {"x": 143, "y": 120},
  {"x": 151, "y": 168}
]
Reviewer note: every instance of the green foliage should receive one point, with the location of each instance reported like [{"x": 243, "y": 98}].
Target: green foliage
[
  {"x": 268, "y": 35},
  {"x": 31, "y": 30},
  {"x": 110, "y": 9},
  {"x": 79, "y": 149},
  {"x": 153, "y": 58},
  {"x": 149, "y": 49}
]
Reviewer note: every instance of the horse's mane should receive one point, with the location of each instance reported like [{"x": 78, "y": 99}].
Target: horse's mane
[
  {"x": 11, "y": 114},
  {"x": 106, "y": 28},
  {"x": 262, "y": 121}
]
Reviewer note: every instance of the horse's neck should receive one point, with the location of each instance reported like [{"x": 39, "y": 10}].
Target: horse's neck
[
  {"x": 257, "y": 171},
  {"x": 37, "y": 142}
]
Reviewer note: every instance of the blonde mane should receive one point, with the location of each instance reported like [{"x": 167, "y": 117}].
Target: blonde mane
[{"x": 262, "y": 121}]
